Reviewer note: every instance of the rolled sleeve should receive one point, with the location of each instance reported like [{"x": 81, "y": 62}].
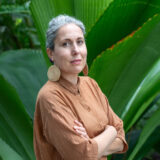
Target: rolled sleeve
[
  {"x": 115, "y": 121},
  {"x": 58, "y": 121}
]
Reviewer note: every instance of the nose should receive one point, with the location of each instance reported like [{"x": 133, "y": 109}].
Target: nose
[{"x": 75, "y": 49}]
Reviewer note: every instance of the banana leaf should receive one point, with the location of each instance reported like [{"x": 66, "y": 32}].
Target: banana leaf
[
  {"x": 149, "y": 144},
  {"x": 148, "y": 129},
  {"x": 25, "y": 70},
  {"x": 89, "y": 11},
  {"x": 107, "y": 21},
  {"x": 42, "y": 12},
  {"x": 125, "y": 72},
  {"x": 7, "y": 153},
  {"x": 15, "y": 125},
  {"x": 119, "y": 19},
  {"x": 128, "y": 72}
]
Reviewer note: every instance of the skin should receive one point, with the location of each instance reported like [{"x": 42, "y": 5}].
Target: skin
[
  {"x": 70, "y": 55},
  {"x": 69, "y": 46},
  {"x": 107, "y": 141}
]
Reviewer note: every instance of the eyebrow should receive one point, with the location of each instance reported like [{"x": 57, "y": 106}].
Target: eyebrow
[{"x": 68, "y": 39}]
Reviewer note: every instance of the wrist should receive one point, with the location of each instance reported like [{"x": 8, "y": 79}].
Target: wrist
[{"x": 112, "y": 130}]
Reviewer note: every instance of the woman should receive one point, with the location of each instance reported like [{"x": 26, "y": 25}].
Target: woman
[{"x": 73, "y": 119}]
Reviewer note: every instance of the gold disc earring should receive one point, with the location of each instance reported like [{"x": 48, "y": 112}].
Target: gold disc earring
[
  {"x": 53, "y": 73},
  {"x": 85, "y": 70}
]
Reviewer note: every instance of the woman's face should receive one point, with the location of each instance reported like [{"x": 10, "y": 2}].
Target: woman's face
[{"x": 70, "y": 51}]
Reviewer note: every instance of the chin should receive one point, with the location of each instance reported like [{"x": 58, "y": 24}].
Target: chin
[{"x": 77, "y": 70}]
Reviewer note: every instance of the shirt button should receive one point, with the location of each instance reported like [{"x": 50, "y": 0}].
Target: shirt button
[{"x": 88, "y": 109}]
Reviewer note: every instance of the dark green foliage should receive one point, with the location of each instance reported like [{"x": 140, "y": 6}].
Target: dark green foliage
[
  {"x": 124, "y": 58},
  {"x": 16, "y": 26}
]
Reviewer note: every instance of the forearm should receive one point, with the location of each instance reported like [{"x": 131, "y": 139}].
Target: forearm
[
  {"x": 116, "y": 146},
  {"x": 105, "y": 139}
]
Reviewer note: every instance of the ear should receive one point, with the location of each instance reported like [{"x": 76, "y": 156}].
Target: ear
[{"x": 50, "y": 53}]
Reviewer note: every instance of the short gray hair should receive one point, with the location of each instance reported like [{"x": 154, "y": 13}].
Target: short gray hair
[{"x": 55, "y": 24}]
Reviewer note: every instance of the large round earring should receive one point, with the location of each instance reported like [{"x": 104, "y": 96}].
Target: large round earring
[
  {"x": 53, "y": 73},
  {"x": 85, "y": 70}
]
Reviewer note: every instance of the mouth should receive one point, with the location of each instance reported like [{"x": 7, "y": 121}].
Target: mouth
[{"x": 76, "y": 61}]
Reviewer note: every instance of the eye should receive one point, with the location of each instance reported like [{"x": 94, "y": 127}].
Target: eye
[
  {"x": 80, "y": 42},
  {"x": 66, "y": 44}
]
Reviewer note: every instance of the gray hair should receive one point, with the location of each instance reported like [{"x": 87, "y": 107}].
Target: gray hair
[{"x": 55, "y": 24}]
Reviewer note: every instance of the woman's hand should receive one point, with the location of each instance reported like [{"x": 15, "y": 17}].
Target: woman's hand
[
  {"x": 115, "y": 147},
  {"x": 80, "y": 130},
  {"x": 105, "y": 139}
]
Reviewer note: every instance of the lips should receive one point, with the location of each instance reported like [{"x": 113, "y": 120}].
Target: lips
[{"x": 76, "y": 61}]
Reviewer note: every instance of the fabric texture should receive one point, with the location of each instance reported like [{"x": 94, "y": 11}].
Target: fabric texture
[{"x": 58, "y": 105}]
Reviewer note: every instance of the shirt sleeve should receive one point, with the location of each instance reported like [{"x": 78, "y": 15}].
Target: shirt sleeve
[
  {"x": 58, "y": 122},
  {"x": 113, "y": 119}
]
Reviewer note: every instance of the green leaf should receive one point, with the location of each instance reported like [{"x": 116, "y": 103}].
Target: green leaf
[
  {"x": 85, "y": 10},
  {"x": 15, "y": 125},
  {"x": 11, "y": 9},
  {"x": 111, "y": 20},
  {"x": 143, "y": 96},
  {"x": 25, "y": 70},
  {"x": 7, "y": 153},
  {"x": 88, "y": 11},
  {"x": 148, "y": 129},
  {"x": 119, "y": 19},
  {"x": 124, "y": 72},
  {"x": 154, "y": 138},
  {"x": 148, "y": 146},
  {"x": 43, "y": 11}
]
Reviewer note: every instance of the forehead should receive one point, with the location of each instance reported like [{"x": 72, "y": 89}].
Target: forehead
[{"x": 69, "y": 31}]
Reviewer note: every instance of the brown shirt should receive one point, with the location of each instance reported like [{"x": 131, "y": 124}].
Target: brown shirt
[{"x": 58, "y": 105}]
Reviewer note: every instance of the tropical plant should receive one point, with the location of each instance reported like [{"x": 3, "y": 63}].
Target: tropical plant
[
  {"x": 123, "y": 56},
  {"x": 22, "y": 74},
  {"x": 16, "y": 29}
]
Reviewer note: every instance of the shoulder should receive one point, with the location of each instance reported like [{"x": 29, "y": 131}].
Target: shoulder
[
  {"x": 89, "y": 84},
  {"x": 50, "y": 99},
  {"x": 49, "y": 91},
  {"x": 89, "y": 81}
]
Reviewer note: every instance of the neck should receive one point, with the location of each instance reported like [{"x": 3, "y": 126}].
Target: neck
[{"x": 71, "y": 78}]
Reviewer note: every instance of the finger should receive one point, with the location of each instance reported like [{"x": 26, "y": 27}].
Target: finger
[
  {"x": 78, "y": 123},
  {"x": 80, "y": 128},
  {"x": 84, "y": 137},
  {"x": 84, "y": 134},
  {"x": 81, "y": 132}
]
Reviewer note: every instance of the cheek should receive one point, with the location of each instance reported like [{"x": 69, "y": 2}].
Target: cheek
[
  {"x": 84, "y": 52},
  {"x": 61, "y": 60},
  {"x": 59, "y": 55}
]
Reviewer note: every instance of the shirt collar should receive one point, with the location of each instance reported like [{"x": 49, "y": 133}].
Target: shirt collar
[{"x": 69, "y": 86}]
